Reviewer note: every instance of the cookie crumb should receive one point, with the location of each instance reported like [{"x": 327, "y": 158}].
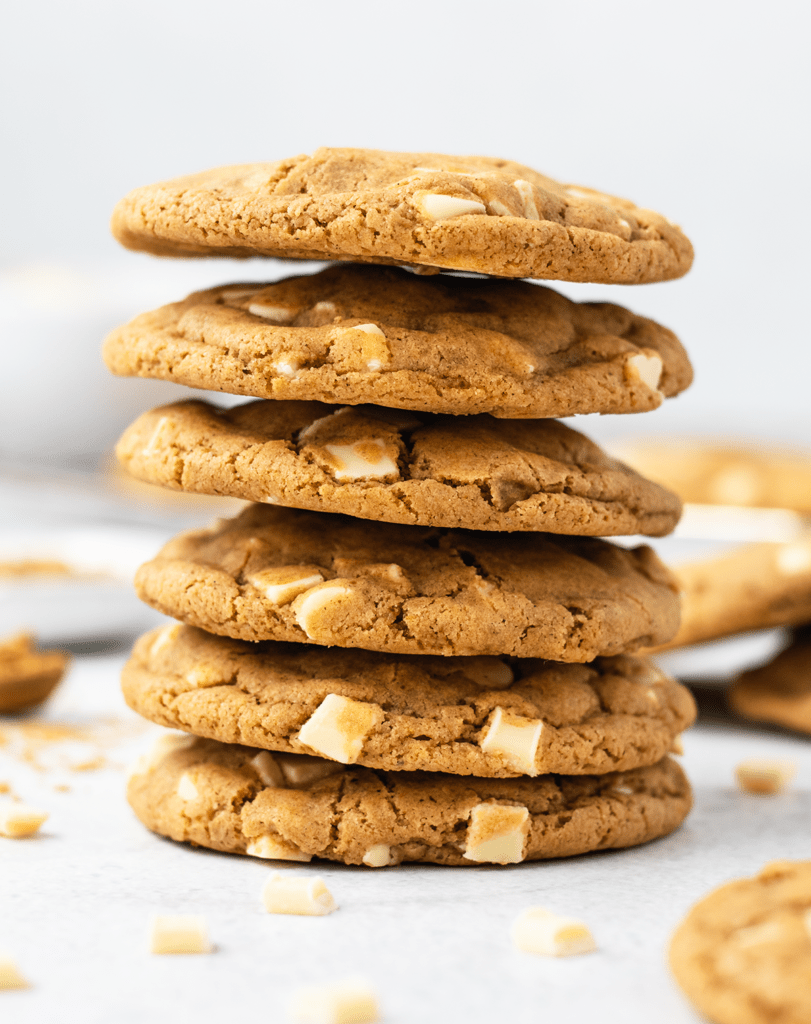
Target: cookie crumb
[
  {"x": 285, "y": 894},
  {"x": 10, "y": 976},
  {"x": 179, "y": 934},
  {"x": 760, "y": 775},
  {"x": 348, "y": 1002},
  {"x": 18, "y": 820},
  {"x": 539, "y": 931}
]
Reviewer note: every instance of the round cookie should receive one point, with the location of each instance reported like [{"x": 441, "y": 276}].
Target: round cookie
[
  {"x": 743, "y": 954},
  {"x": 294, "y": 807},
  {"x": 752, "y": 587},
  {"x": 779, "y": 691},
  {"x": 444, "y": 344},
  {"x": 461, "y": 213},
  {"x": 283, "y": 574},
  {"x": 490, "y": 717},
  {"x": 28, "y": 676},
  {"x": 472, "y": 472}
]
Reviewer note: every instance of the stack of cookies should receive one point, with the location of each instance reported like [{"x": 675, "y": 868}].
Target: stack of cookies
[{"x": 412, "y": 645}]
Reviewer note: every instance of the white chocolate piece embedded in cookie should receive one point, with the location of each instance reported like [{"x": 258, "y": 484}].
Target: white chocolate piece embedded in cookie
[
  {"x": 362, "y": 460},
  {"x": 761, "y": 775},
  {"x": 17, "y": 821},
  {"x": 339, "y": 726},
  {"x": 515, "y": 738},
  {"x": 269, "y": 771},
  {"x": 276, "y": 314},
  {"x": 186, "y": 788},
  {"x": 539, "y": 931},
  {"x": 302, "y": 769},
  {"x": 275, "y": 848},
  {"x": 10, "y": 976},
  {"x": 179, "y": 934},
  {"x": 286, "y": 894},
  {"x": 488, "y": 672},
  {"x": 312, "y": 602},
  {"x": 645, "y": 366},
  {"x": 497, "y": 834},
  {"x": 441, "y": 207},
  {"x": 378, "y": 856},
  {"x": 349, "y": 1002},
  {"x": 281, "y": 585}
]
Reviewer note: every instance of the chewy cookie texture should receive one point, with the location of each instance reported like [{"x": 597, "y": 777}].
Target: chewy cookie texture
[
  {"x": 468, "y": 716},
  {"x": 292, "y": 807},
  {"x": 383, "y": 464},
  {"x": 443, "y": 344},
  {"x": 479, "y": 214},
  {"x": 284, "y": 574}
]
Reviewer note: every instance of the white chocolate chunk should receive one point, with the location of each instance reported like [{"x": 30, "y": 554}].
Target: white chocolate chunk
[
  {"x": 807, "y": 922},
  {"x": 308, "y": 605},
  {"x": 440, "y": 207},
  {"x": 186, "y": 788},
  {"x": 363, "y": 460},
  {"x": 178, "y": 934},
  {"x": 287, "y": 367},
  {"x": 10, "y": 976},
  {"x": 155, "y": 444},
  {"x": 515, "y": 738},
  {"x": 275, "y": 848},
  {"x": 349, "y": 1002},
  {"x": 369, "y": 329},
  {"x": 377, "y": 856},
  {"x": 793, "y": 559},
  {"x": 165, "y": 636},
  {"x": 286, "y": 894},
  {"x": 488, "y": 672},
  {"x": 760, "y": 775},
  {"x": 524, "y": 189},
  {"x": 325, "y": 308},
  {"x": 202, "y": 676},
  {"x": 646, "y": 368},
  {"x": 277, "y": 314},
  {"x": 235, "y": 294},
  {"x": 499, "y": 209},
  {"x": 497, "y": 833},
  {"x": 539, "y": 931},
  {"x": 18, "y": 820},
  {"x": 266, "y": 767},
  {"x": 280, "y": 585},
  {"x": 677, "y": 746},
  {"x": 339, "y": 726},
  {"x": 302, "y": 769}
]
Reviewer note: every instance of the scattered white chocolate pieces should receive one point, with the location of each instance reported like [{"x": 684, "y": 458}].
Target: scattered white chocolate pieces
[
  {"x": 178, "y": 934},
  {"x": 10, "y": 976},
  {"x": 761, "y": 775},
  {"x": 537, "y": 930},
  {"x": 19, "y": 820},
  {"x": 290, "y": 894},
  {"x": 348, "y": 1002}
]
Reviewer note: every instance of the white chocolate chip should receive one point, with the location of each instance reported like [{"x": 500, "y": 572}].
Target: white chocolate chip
[
  {"x": 154, "y": 444},
  {"x": 368, "y": 329},
  {"x": 525, "y": 190},
  {"x": 377, "y": 856},
  {"x": 440, "y": 207},
  {"x": 515, "y": 739},
  {"x": 308, "y": 605},
  {"x": 186, "y": 788},
  {"x": 165, "y": 636},
  {"x": 499, "y": 209},
  {"x": 623, "y": 790},
  {"x": 275, "y": 848},
  {"x": 760, "y": 775},
  {"x": 362, "y": 460},
  {"x": 539, "y": 931},
  {"x": 339, "y": 726},
  {"x": 287, "y": 367},
  {"x": 178, "y": 934},
  {"x": 201, "y": 676},
  {"x": 286, "y": 894},
  {"x": 18, "y": 820},
  {"x": 235, "y": 294},
  {"x": 349, "y": 1002},
  {"x": 302, "y": 769},
  {"x": 488, "y": 672},
  {"x": 277, "y": 314},
  {"x": 497, "y": 833},
  {"x": 280, "y": 585},
  {"x": 269, "y": 772},
  {"x": 325, "y": 308},
  {"x": 677, "y": 746},
  {"x": 10, "y": 976},
  {"x": 793, "y": 559},
  {"x": 646, "y": 368}
]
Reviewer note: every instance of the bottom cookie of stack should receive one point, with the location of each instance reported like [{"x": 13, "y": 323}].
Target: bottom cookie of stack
[{"x": 239, "y": 799}]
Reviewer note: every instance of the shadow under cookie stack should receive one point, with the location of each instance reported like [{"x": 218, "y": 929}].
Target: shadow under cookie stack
[{"x": 412, "y": 645}]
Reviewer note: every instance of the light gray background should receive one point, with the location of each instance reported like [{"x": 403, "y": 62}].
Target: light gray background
[{"x": 696, "y": 109}]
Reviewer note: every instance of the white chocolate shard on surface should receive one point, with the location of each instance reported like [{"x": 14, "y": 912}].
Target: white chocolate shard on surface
[
  {"x": 277, "y": 314},
  {"x": 273, "y": 847},
  {"x": 362, "y": 460},
  {"x": 794, "y": 559},
  {"x": 491, "y": 673},
  {"x": 289, "y": 894},
  {"x": 524, "y": 189},
  {"x": 515, "y": 738},
  {"x": 377, "y": 856},
  {"x": 646, "y": 367},
  {"x": 348, "y": 1002},
  {"x": 309, "y": 604},
  {"x": 178, "y": 934},
  {"x": 497, "y": 834},
  {"x": 339, "y": 726},
  {"x": 764, "y": 776},
  {"x": 539, "y": 931},
  {"x": 441, "y": 207},
  {"x": 10, "y": 975},
  {"x": 282, "y": 584},
  {"x": 186, "y": 788},
  {"x": 303, "y": 769},
  {"x": 18, "y": 821}
]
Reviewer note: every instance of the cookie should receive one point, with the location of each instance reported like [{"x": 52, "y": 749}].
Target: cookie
[
  {"x": 719, "y": 474},
  {"x": 27, "y": 676},
  {"x": 743, "y": 954},
  {"x": 294, "y": 807},
  {"x": 753, "y": 587},
  {"x": 283, "y": 574},
  {"x": 780, "y": 691},
  {"x": 468, "y": 716},
  {"x": 353, "y": 334},
  {"x": 470, "y": 472},
  {"x": 460, "y": 213}
]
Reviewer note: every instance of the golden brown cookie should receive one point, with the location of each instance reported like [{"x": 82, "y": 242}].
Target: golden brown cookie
[
  {"x": 475, "y": 472},
  {"x": 27, "y": 676},
  {"x": 779, "y": 691},
  {"x": 492, "y": 717},
  {"x": 751, "y": 587},
  {"x": 283, "y": 574},
  {"x": 743, "y": 954},
  {"x": 355, "y": 334},
  {"x": 460, "y": 213},
  {"x": 294, "y": 807}
]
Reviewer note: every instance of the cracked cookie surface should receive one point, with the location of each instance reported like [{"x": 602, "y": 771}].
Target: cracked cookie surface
[
  {"x": 478, "y": 214},
  {"x": 743, "y": 953},
  {"x": 374, "y": 463},
  {"x": 355, "y": 334},
  {"x": 492, "y": 717},
  {"x": 284, "y": 574},
  {"x": 779, "y": 691},
  {"x": 294, "y": 807}
]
